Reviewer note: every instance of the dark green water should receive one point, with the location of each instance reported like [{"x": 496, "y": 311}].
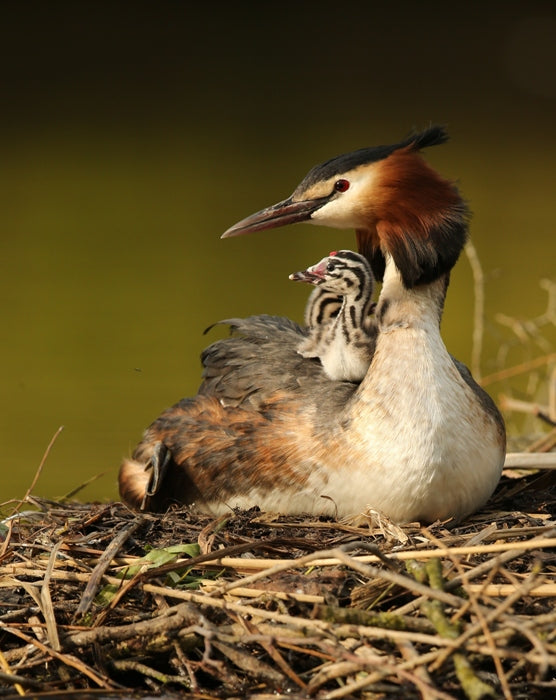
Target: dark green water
[{"x": 120, "y": 169}]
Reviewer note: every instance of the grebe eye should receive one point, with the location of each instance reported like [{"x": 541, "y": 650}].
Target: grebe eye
[
  {"x": 341, "y": 185},
  {"x": 330, "y": 267}
]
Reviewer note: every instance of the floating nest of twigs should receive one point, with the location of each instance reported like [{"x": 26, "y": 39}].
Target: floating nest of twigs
[{"x": 96, "y": 599}]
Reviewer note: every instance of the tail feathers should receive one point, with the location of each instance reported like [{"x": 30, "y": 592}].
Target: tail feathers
[
  {"x": 152, "y": 481},
  {"x": 134, "y": 479}
]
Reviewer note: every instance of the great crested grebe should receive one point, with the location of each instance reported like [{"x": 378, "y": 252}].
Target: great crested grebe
[
  {"x": 417, "y": 439},
  {"x": 344, "y": 344}
]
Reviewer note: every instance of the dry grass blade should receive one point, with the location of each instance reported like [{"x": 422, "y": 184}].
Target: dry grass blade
[
  {"x": 46, "y": 601},
  {"x": 39, "y": 470}
]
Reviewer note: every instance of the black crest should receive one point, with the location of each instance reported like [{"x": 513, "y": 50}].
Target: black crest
[{"x": 433, "y": 136}]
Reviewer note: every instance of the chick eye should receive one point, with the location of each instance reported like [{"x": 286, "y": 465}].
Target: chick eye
[
  {"x": 330, "y": 267},
  {"x": 341, "y": 185}
]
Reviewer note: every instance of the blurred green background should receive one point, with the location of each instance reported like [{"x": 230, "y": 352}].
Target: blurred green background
[{"x": 133, "y": 134}]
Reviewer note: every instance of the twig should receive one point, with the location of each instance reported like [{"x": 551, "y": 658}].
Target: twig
[
  {"x": 472, "y": 591},
  {"x": 127, "y": 665},
  {"x": 545, "y": 443},
  {"x": 245, "y": 592},
  {"x": 247, "y": 662},
  {"x": 479, "y": 309},
  {"x": 317, "y": 626},
  {"x": 506, "y": 604},
  {"x": 169, "y": 622},
  {"x": 66, "y": 659},
  {"x": 508, "y": 403},
  {"x": 479, "y": 570},
  {"x": 19, "y": 681},
  {"x": 267, "y": 567},
  {"x": 530, "y": 460},
  {"x": 357, "y": 616},
  {"x": 103, "y": 564},
  {"x": 519, "y": 369},
  {"x": 275, "y": 655},
  {"x": 472, "y": 685},
  {"x": 422, "y": 677}
]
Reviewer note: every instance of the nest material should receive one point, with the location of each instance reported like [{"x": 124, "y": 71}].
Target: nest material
[{"x": 96, "y": 598}]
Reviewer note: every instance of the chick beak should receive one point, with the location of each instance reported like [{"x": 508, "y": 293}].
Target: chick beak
[{"x": 312, "y": 275}]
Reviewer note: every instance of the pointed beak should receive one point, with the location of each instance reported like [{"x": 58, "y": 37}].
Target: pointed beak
[
  {"x": 312, "y": 275},
  {"x": 281, "y": 214},
  {"x": 302, "y": 276}
]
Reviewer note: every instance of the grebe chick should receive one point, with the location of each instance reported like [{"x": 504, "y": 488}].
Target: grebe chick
[{"x": 345, "y": 343}]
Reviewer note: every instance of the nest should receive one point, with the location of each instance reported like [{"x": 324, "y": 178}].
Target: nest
[{"x": 95, "y": 598}]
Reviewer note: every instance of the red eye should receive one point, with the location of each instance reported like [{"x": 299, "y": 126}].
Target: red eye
[{"x": 341, "y": 185}]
